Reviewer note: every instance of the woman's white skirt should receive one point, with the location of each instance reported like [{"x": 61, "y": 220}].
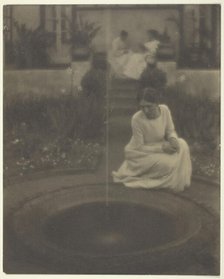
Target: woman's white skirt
[
  {"x": 156, "y": 170},
  {"x": 135, "y": 66},
  {"x": 129, "y": 65}
]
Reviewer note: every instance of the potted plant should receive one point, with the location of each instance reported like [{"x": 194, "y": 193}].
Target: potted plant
[
  {"x": 30, "y": 47},
  {"x": 166, "y": 49},
  {"x": 81, "y": 36}
]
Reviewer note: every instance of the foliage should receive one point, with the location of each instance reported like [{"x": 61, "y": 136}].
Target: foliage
[
  {"x": 94, "y": 82},
  {"x": 174, "y": 20},
  {"x": 196, "y": 117},
  {"x": 30, "y": 47},
  {"x": 27, "y": 154},
  {"x": 9, "y": 52},
  {"x": 205, "y": 162},
  {"x": 153, "y": 77},
  {"x": 47, "y": 132},
  {"x": 61, "y": 116},
  {"x": 82, "y": 33}
]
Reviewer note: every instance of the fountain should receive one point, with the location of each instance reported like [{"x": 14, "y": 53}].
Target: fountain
[{"x": 135, "y": 231}]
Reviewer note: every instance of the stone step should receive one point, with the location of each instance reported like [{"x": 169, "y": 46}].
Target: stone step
[
  {"x": 122, "y": 101},
  {"x": 123, "y": 80},
  {"x": 121, "y": 107},
  {"x": 122, "y": 97},
  {"x": 122, "y": 111},
  {"x": 124, "y": 84},
  {"x": 121, "y": 135},
  {"x": 119, "y": 126},
  {"x": 123, "y": 92},
  {"x": 119, "y": 104},
  {"x": 115, "y": 121}
]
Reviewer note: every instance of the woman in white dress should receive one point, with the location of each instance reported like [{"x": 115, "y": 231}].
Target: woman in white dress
[
  {"x": 155, "y": 157},
  {"x": 120, "y": 53},
  {"x": 137, "y": 61}
]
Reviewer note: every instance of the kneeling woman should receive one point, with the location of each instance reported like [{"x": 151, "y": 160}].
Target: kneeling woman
[{"x": 155, "y": 157}]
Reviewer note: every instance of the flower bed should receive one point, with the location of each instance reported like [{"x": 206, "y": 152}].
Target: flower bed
[
  {"x": 205, "y": 162},
  {"x": 197, "y": 119},
  {"x": 64, "y": 132},
  {"x": 49, "y": 155}
]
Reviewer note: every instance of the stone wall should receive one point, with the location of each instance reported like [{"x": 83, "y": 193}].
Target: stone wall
[
  {"x": 36, "y": 82},
  {"x": 44, "y": 82},
  {"x": 54, "y": 82},
  {"x": 205, "y": 82}
]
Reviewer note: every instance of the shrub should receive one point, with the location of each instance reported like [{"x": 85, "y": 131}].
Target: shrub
[
  {"x": 94, "y": 85},
  {"x": 196, "y": 117},
  {"x": 30, "y": 47},
  {"x": 65, "y": 116},
  {"x": 48, "y": 132}
]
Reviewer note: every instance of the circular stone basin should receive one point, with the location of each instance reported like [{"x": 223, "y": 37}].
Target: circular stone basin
[
  {"x": 119, "y": 228},
  {"x": 76, "y": 226}
]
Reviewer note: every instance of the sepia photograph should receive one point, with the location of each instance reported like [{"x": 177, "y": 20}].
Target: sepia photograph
[{"x": 111, "y": 139}]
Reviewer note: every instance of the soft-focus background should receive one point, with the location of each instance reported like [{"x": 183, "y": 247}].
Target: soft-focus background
[{"x": 51, "y": 123}]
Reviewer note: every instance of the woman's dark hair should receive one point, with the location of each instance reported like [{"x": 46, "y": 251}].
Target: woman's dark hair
[
  {"x": 154, "y": 33},
  {"x": 123, "y": 33},
  {"x": 150, "y": 95}
]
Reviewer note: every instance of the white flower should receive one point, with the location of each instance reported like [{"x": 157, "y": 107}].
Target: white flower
[
  {"x": 63, "y": 155},
  {"x": 69, "y": 70},
  {"x": 181, "y": 78},
  {"x": 63, "y": 90},
  {"x": 16, "y": 141}
]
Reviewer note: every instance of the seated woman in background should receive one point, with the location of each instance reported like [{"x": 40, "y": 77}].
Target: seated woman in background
[
  {"x": 155, "y": 157},
  {"x": 120, "y": 53},
  {"x": 137, "y": 61}
]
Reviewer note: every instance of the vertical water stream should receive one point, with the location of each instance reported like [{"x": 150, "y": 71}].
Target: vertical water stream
[{"x": 107, "y": 38}]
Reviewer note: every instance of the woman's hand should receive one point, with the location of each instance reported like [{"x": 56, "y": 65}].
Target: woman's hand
[
  {"x": 168, "y": 148},
  {"x": 174, "y": 143}
]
